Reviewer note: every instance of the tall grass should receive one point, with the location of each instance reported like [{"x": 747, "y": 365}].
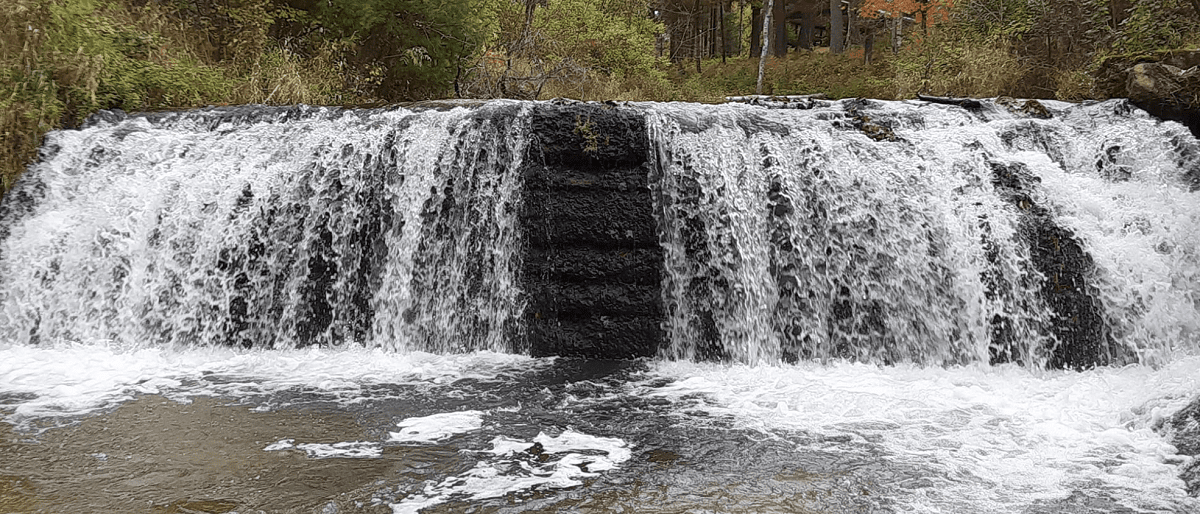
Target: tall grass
[
  {"x": 953, "y": 62},
  {"x": 61, "y": 60},
  {"x": 29, "y": 104}
]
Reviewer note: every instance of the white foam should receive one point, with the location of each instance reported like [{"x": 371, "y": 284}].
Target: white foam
[
  {"x": 998, "y": 437},
  {"x": 573, "y": 455},
  {"x": 282, "y": 444},
  {"x": 76, "y": 379},
  {"x": 349, "y": 450},
  {"x": 436, "y": 427}
]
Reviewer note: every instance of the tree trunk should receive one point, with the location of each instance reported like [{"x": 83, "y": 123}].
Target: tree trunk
[
  {"x": 1119, "y": 10},
  {"x": 853, "y": 29},
  {"x": 741, "y": 26},
  {"x": 724, "y": 35},
  {"x": 697, "y": 47},
  {"x": 779, "y": 20},
  {"x": 808, "y": 22},
  {"x": 766, "y": 29},
  {"x": 837, "y": 28},
  {"x": 756, "y": 24},
  {"x": 525, "y": 45},
  {"x": 897, "y": 33},
  {"x": 868, "y": 45},
  {"x": 713, "y": 24}
]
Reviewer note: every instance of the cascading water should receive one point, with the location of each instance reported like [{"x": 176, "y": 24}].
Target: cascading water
[
  {"x": 280, "y": 228},
  {"x": 864, "y": 308},
  {"x": 911, "y": 232}
]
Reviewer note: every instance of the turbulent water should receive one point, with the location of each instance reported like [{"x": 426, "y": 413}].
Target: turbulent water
[
  {"x": 459, "y": 433},
  {"x": 279, "y": 228},
  {"x": 794, "y": 234},
  {"x": 318, "y": 310}
]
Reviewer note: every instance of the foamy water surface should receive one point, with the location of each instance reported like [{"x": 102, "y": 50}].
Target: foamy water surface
[{"x": 991, "y": 439}]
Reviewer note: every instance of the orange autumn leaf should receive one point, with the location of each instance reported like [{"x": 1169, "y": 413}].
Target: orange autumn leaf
[{"x": 934, "y": 9}]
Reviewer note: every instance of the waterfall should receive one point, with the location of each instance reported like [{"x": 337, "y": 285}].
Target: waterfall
[
  {"x": 353, "y": 305},
  {"x": 271, "y": 228},
  {"x": 914, "y": 232},
  {"x": 1048, "y": 234}
]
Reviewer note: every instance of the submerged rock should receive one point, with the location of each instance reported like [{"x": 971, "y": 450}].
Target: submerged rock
[
  {"x": 873, "y": 130},
  {"x": 1031, "y": 108},
  {"x": 1183, "y": 430}
]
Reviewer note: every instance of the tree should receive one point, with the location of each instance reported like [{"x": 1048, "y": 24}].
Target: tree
[
  {"x": 837, "y": 27},
  {"x": 609, "y": 37},
  {"x": 762, "y": 59},
  {"x": 894, "y": 13},
  {"x": 415, "y": 48}
]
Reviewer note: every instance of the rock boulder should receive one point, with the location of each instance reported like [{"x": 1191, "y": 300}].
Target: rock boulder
[
  {"x": 1166, "y": 84},
  {"x": 1183, "y": 430}
]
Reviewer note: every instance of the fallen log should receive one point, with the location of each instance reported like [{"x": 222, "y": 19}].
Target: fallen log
[{"x": 965, "y": 103}]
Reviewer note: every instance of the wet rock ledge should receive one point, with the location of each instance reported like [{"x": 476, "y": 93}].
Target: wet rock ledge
[{"x": 592, "y": 262}]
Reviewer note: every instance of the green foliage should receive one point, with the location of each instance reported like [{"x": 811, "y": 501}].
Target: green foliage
[
  {"x": 101, "y": 61},
  {"x": 61, "y": 60},
  {"x": 416, "y": 47},
  {"x": 1157, "y": 24},
  {"x": 1006, "y": 19},
  {"x": 606, "y": 40},
  {"x": 29, "y": 103},
  {"x": 958, "y": 60},
  {"x": 572, "y": 48}
]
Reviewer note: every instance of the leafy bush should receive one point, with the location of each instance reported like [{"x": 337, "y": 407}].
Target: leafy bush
[
  {"x": 415, "y": 48},
  {"x": 958, "y": 61},
  {"x": 61, "y": 60}
]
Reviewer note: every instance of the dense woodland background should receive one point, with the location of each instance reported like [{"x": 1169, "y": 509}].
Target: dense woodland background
[{"x": 61, "y": 60}]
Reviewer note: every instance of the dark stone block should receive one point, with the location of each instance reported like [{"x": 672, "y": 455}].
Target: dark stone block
[
  {"x": 623, "y": 218},
  {"x": 540, "y": 177},
  {"x": 588, "y": 134},
  {"x": 596, "y": 264},
  {"x": 603, "y": 299},
  {"x": 594, "y": 337},
  {"x": 592, "y": 268}
]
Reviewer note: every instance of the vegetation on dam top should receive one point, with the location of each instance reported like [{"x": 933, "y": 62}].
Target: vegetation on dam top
[{"x": 62, "y": 60}]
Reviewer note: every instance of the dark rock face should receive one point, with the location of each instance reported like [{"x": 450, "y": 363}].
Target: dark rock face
[
  {"x": 1084, "y": 340},
  {"x": 592, "y": 268},
  {"x": 1183, "y": 430}
]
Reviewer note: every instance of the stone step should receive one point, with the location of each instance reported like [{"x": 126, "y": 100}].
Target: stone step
[
  {"x": 605, "y": 337},
  {"x": 565, "y": 217},
  {"x": 567, "y": 264}
]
